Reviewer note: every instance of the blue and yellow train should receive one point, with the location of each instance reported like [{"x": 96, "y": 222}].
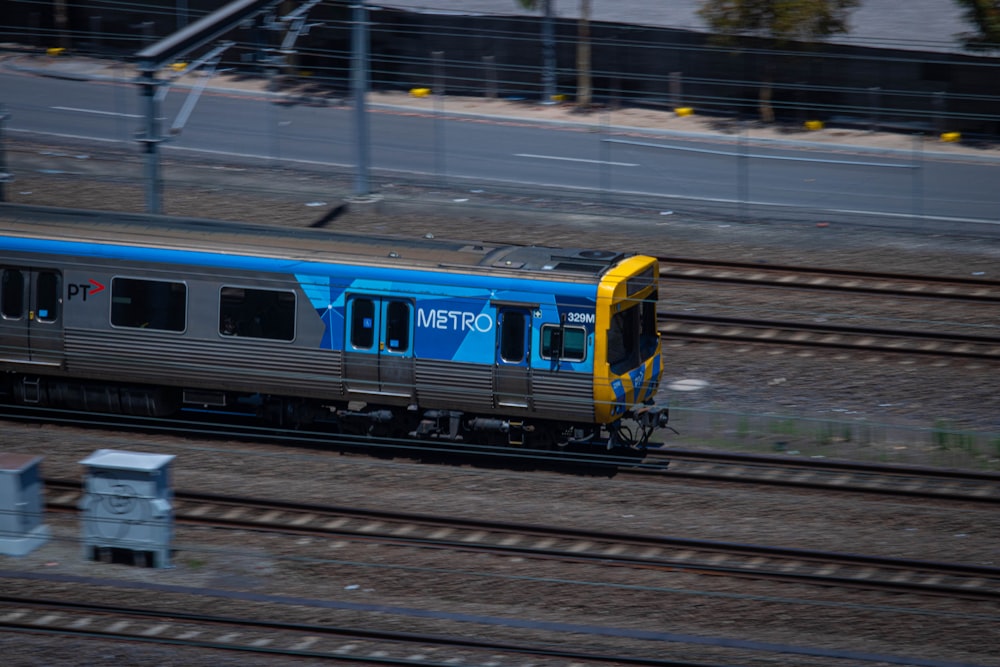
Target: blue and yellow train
[{"x": 407, "y": 337}]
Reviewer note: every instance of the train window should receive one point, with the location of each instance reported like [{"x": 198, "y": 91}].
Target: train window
[
  {"x": 12, "y": 294},
  {"x": 363, "y": 323},
  {"x": 148, "y": 304},
  {"x": 512, "y": 336},
  {"x": 623, "y": 340},
  {"x": 257, "y": 313},
  {"x": 640, "y": 282},
  {"x": 47, "y": 296},
  {"x": 397, "y": 326},
  {"x": 574, "y": 343}
]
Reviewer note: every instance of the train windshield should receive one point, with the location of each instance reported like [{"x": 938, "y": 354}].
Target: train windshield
[{"x": 632, "y": 336}]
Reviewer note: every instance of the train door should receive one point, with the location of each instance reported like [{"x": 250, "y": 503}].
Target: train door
[
  {"x": 513, "y": 357},
  {"x": 31, "y": 316},
  {"x": 378, "y": 355}
]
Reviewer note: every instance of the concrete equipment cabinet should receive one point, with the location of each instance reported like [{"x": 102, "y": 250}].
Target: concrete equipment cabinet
[
  {"x": 127, "y": 507},
  {"x": 21, "y": 504}
]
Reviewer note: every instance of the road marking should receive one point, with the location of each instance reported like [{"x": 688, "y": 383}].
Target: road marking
[
  {"x": 575, "y": 159},
  {"x": 98, "y": 112}
]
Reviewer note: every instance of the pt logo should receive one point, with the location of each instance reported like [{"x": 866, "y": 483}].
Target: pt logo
[{"x": 82, "y": 291}]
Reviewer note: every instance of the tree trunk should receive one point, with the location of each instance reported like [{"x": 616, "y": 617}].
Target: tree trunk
[
  {"x": 764, "y": 100},
  {"x": 583, "y": 86}
]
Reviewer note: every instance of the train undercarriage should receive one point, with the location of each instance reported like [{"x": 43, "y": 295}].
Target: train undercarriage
[{"x": 628, "y": 436}]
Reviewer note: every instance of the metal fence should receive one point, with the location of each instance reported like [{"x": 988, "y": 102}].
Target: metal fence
[{"x": 937, "y": 90}]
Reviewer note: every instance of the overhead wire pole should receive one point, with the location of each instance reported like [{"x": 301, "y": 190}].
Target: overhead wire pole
[
  {"x": 153, "y": 58},
  {"x": 150, "y": 141},
  {"x": 153, "y": 91},
  {"x": 359, "y": 89}
]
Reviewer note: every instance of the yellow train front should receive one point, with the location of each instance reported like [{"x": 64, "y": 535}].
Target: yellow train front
[{"x": 627, "y": 357}]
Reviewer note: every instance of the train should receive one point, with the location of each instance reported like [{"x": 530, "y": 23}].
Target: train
[{"x": 420, "y": 338}]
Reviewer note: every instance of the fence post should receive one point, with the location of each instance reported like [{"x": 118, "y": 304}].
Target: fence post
[
  {"x": 875, "y": 102},
  {"x": 918, "y": 175},
  {"x": 95, "y": 31},
  {"x": 5, "y": 177},
  {"x": 439, "y": 148},
  {"x": 548, "y": 56},
  {"x": 676, "y": 90},
  {"x": 939, "y": 112},
  {"x": 489, "y": 63},
  {"x": 743, "y": 178}
]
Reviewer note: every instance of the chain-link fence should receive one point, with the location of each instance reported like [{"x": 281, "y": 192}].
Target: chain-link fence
[{"x": 933, "y": 90}]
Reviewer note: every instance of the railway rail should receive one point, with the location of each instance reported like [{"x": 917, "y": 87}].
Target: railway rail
[
  {"x": 276, "y": 638},
  {"x": 974, "y": 289},
  {"x": 682, "y": 326},
  {"x": 953, "y": 580},
  {"x": 849, "y": 476},
  {"x": 687, "y": 326}
]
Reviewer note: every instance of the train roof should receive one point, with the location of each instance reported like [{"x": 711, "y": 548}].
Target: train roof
[{"x": 302, "y": 244}]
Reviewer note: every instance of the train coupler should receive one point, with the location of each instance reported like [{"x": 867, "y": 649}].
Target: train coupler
[{"x": 652, "y": 416}]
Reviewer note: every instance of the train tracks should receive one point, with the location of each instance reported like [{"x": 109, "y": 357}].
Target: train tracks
[
  {"x": 681, "y": 326},
  {"x": 855, "y": 477},
  {"x": 573, "y": 545},
  {"x": 697, "y": 327},
  {"x": 980, "y": 290},
  {"x": 264, "y": 637}
]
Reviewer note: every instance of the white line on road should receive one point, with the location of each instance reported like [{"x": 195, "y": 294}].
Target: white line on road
[
  {"x": 575, "y": 159},
  {"x": 68, "y": 136},
  {"x": 100, "y": 113}
]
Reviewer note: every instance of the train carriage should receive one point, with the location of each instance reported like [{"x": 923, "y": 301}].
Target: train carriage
[{"x": 428, "y": 338}]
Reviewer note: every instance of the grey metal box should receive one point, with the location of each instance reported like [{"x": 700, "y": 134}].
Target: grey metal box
[
  {"x": 21, "y": 504},
  {"x": 128, "y": 505}
]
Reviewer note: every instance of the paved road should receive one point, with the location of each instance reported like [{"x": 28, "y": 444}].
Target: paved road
[{"x": 675, "y": 169}]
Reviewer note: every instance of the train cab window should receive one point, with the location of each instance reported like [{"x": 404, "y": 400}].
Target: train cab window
[
  {"x": 648, "y": 335},
  {"x": 257, "y": 313},
  {"x": 623, "y": 340},
  {"x": 12, "y": 294},
  {"x": 512, "y": 330},
  {"x": 148, "y": 304},
  {"x": 47, "y": 296},
  {"x": 573, "y": 345}
]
